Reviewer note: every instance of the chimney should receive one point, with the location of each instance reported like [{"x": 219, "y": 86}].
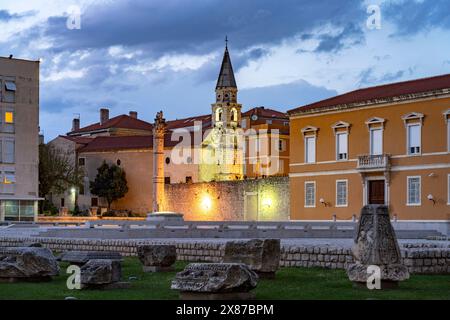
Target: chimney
[
  {"x": 104, "y": 115},
  {"x": 133, "y": 114},
  {"x": 75, "y": 124}
]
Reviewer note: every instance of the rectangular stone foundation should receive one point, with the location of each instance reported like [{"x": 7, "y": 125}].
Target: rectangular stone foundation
[
  {"x": 157, "y": 269},
  {"x": 217, "y": 296}
]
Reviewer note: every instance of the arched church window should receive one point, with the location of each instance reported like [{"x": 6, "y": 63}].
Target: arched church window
[
  {"x": 219, "y": 113},
  {"x": 234, "y": 115}
]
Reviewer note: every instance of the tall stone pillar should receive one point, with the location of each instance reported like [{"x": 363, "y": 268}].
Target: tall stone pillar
[{"x": 158, "y": 162}]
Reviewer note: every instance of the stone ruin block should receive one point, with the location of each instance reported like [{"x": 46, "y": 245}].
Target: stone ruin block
[
  {"x": 157, "y": 258},
  {"x": 79, "y": 258},
  {"x": 215, "y": 281},
  {"x": 262, "y": 256},
  {"x": 102, "y": 274},
  {"x": 27, "y": 264}
]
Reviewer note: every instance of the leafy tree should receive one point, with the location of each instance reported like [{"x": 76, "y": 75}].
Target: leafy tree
[
  {"x": 110, "y": 183},
  {"x": 57, "y": 171}
]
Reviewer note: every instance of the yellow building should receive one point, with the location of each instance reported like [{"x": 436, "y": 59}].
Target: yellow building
[
  {"x": 266, "y": 145},
  {"x": 387, "y": 144}
]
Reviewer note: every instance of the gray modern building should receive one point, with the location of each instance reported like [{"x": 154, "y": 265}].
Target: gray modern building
[{"x": 19, "y": 139}]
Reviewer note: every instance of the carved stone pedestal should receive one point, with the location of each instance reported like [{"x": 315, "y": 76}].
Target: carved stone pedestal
[{"x": 376, "y": 245}]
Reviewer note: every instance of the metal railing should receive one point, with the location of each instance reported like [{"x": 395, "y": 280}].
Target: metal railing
[{"x": 373, "y": 162}]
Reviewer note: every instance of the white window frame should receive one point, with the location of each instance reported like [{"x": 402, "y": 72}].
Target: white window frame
[
  {"x": 407, "y": 191},
  {"x": 448, "y": 189},
  {"x": 447, "y": 122},
  {"x": 314, "y": 194},
  {"x": 371, "y": 140},
  {"x": 346, "y": 193},
  {"x": 12, "y": 92},
  {"x": 337, "y": 145},
  {"x": 280, "y": 145},
  {"x": 219, "y": 111},
  {"x": 448, "y": 135},
  {"x": 413, "y": 124},
  {"x": 4, "y": 153},
  {"x": 306, "y": 148},
  {"x": 234, "y": 115}
]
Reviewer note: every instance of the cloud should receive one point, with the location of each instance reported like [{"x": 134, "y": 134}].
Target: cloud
[
  {"x": 196, "y": 26},
  {"x": 286, "y": 96},
  {"x": 368, "y": 77},
  {"x": 166, "y": 54},
  {"x": 6, "y": 16},
  {"x": 349, "y": 36},
  {"x": 412, "y": 17}
]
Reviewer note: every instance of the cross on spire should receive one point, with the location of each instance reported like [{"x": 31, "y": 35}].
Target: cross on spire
[{"x": 226, "y": 42}]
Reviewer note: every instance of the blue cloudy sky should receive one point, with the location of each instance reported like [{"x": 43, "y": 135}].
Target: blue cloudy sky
[{"x": 147, "y": 55}]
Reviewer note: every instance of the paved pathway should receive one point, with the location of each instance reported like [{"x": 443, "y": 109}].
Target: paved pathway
[{"x": 34, "y": 231}]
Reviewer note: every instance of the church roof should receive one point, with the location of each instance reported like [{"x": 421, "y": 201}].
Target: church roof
[{"x": 226, "y": 76}]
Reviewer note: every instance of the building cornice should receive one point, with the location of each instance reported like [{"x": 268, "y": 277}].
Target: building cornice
[{"x": 375, "y": 103}]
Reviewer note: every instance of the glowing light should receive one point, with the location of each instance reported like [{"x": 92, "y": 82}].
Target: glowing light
[
  {"x": 9, "y": 117},
  {"x": 73, "y": 190},
  {"x": 267, "y": 202},
  {"x": 206, "y": 202}
]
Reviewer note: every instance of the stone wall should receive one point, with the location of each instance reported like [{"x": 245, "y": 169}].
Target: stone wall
[
  {"x": 420, "y": 258},
  {"x": 244, "y": 200}
]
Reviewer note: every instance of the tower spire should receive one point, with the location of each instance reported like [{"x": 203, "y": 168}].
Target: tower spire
[{"x": 226, "y": 75}]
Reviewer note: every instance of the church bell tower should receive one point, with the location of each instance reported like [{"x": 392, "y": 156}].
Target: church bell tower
[
  {"x": 225, "y": 139},
  {"x": 226, "y": 112}
]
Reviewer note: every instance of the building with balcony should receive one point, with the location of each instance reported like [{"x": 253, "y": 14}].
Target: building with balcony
[
  {"x": 387, "y": 144},
  {"x": 19, "y": 139}
]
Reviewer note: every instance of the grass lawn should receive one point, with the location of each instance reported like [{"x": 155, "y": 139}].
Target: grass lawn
[{"x": 291, "y": 283}]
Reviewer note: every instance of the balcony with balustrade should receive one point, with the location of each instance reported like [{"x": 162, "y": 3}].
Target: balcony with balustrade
[{"x": 368, "y": 163}]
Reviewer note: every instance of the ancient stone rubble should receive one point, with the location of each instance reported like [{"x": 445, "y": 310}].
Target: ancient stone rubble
[
  {"x": 81, "y": 257},
  {"x": 27, "y": 264},
  {"x": 157, "y": 257},
  {"x": 215, "y": 281},
  {"x": 99, "y": 273},
  {"x": 262, "y": 256}
]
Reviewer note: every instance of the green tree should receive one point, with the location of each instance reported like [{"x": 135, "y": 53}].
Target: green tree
[
  {"x": 57, "y": 171},
  {"x": 110, "y": 183}
]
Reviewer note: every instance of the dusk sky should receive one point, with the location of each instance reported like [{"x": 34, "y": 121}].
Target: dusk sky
[{"x": 151, "y": 55}]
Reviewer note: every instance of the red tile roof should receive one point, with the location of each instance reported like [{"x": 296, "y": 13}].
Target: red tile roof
[
  {"x": 78, "y": 140},
  {"x": 368, "y": 95},
  {"x": 189, "y": 122},
  {"x": 263, "y": 112},
  {"x": 108, "y": 143},
  {"x": 123, "y": 121}
]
